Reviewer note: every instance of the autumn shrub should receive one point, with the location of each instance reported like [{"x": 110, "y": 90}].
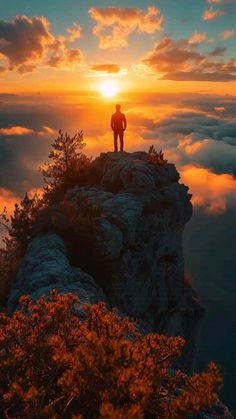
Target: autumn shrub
[
  {"x": 156, "y": 157},
  {"x": 55, "y": 364}
]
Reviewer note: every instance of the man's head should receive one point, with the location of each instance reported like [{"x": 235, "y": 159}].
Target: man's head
[{"x": 118, "y": 107}]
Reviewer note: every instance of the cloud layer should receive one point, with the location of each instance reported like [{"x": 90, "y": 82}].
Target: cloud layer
[{"x": 210, "y": 190}]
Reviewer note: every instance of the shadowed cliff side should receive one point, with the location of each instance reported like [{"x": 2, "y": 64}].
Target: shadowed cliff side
[{"x": 124, "y": 247}]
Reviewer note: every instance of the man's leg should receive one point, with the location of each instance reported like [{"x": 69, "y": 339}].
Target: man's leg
[
  {"x": 121, "y": 140},
  {"x": 115, "y": 141}
]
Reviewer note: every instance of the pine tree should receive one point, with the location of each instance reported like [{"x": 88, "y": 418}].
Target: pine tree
[
  {"x": 22, "y": 220},
  {"x": 19, "y": 231},
  {"x": 67, "y": 163}
]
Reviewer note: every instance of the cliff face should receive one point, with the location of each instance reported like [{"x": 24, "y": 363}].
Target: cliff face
[{"x": 128, "y": 254}]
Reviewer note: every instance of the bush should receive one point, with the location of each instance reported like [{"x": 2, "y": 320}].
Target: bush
[
  {"x": 155, "y": 157},
  {"x": 55, "y": 364}
]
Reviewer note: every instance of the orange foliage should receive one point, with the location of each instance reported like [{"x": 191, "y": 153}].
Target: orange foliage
[{"x": 55, "y": 364}]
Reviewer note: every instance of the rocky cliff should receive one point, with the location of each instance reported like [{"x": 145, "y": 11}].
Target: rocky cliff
[{"x": 125, "y": 248}]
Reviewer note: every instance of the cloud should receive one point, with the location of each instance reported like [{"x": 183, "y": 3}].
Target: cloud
[
  {"x": 228, "y": 34},
  {"x": 27, "y": 42},
  {"x": 75, "y": 32},
  {"x": 218, "y": 51},
  {"x": 216, "y": 155},
  {"x": 219, "y": 1},
  {"x": 24, "y": 39},
  {"x": 122, "y": 22},
  {"x": 200, "y": 75},
  {"x": 215, "y": 1},
  {"x": 210, "y": 190},
  {"x": 8, "y": 200},
  {"x": 198, "y": 37},
  {"x": 18, "y": 130},
  {"x": 219, "y": 108},
  {"x": 106, "y": 68},
  {"x": 211, "y": 14},
  {"x": 206, "y": 137},
  {"x": 65, "y": 58},
  {"x": 179, "y": 60},
  {"x": 169, "y": 54}
]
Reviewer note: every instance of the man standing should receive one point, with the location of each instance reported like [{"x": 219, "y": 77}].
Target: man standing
[{"x": 118, "y": 126}]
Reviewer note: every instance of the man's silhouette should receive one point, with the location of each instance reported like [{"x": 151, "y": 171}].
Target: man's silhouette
[{"x": 118, "y": 126}]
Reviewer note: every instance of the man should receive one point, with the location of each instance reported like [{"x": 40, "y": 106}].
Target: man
[{"x": 118, "y": 126}]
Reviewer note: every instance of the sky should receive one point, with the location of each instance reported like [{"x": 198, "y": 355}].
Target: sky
[
  {"x": 172, "y": 65},
  {"x": 164, "y": 45}
]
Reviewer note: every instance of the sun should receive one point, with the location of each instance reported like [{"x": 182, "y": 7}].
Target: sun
[{"x": 109, "y": 88}]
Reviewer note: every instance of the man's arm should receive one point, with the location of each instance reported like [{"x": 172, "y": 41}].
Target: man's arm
[
  {"x": 112, "y": 123},
  {"x": 125, "y": 122}
]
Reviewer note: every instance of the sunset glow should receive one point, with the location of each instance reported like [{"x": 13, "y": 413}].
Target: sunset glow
[
  {"x": 124, "y": 76},
  {"x": 109, "y": 88}
]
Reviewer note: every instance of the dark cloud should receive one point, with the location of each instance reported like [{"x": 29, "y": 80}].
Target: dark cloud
[
  {"x": 217, "y": 51},
  {"x": 198, "y": 75},
  {"x": 65, "y": 58},
  {"x": 24, "y": 39},
  {"x": 26, "y": 42}
]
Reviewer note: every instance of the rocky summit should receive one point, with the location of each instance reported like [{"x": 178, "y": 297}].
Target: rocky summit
[{"x": 120, "y": 242}]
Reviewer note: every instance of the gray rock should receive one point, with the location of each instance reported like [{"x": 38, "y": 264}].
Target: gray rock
[
  {"x": 44, "y": 267},
  {"x": 135, "y": 255}
]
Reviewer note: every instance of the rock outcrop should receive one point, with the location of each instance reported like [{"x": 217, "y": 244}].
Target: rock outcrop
[{"x": 128, "y": 254}]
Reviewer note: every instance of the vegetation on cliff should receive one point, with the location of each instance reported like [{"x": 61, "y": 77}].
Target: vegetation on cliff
[{"x": 57, "y": 364}]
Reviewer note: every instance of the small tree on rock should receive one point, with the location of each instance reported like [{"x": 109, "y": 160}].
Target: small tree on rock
[
  {"x": 67, "y": 165},
  {"x": 19, "y": 231}
]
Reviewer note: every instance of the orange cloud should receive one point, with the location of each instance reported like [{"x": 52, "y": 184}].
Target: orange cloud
[
  {"x": 211, "y": 14},
  {"x": 219, "y": 108},
  {"x": 169, "y": 55},
  {"x": 8, "y": 200},
  {"x": 179, "y": 60},
  {"x": 17, "y": 130},
  {"x": 123, "y": 22},
  {"x": 210, "y": 190},
  {"x": 198, "y": 37},
  {"x": 228, "y": 34},
  {"x": 107, "y": 68},
  {"x": 75, "y": 32}
]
